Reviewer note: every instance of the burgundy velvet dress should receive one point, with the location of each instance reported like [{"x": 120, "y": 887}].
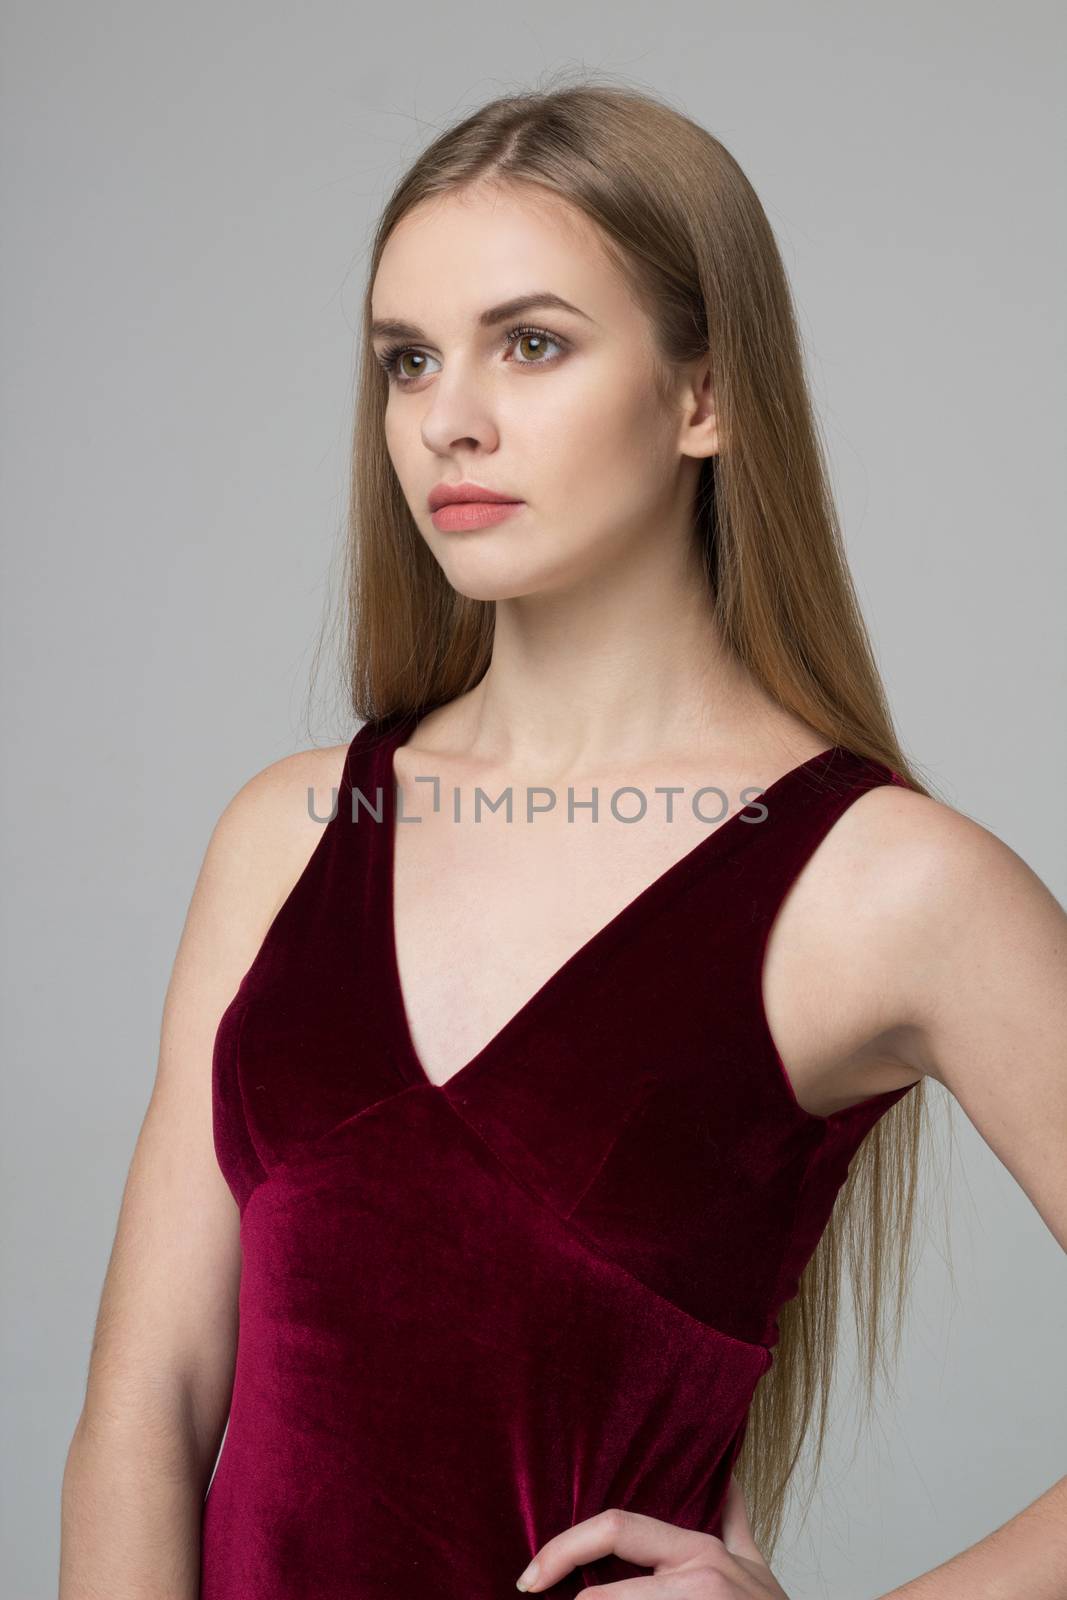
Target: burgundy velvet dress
[{"x": 474, "y": 1314}]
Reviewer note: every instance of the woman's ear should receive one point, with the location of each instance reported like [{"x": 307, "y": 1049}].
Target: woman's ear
[{"x": 700, "y": 429}]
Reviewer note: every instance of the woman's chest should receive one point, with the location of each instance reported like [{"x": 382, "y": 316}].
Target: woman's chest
[{"x": 486, "y": 915}]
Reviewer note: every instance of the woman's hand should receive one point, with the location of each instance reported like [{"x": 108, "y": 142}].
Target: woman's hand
[{"x": 698, "y": 1565}]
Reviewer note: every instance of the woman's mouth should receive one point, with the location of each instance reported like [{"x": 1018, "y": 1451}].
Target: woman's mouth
[{"x": 461, "y": 515}]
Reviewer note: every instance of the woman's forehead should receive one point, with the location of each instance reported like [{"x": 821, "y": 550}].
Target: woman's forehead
[{"x": 462, "y": 256}]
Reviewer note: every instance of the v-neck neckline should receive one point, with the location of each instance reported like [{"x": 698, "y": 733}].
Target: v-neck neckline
[{"x": 721, "y": 836}]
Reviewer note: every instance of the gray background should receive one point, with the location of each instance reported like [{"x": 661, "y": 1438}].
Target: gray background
[{"x": 187, "y": 194}]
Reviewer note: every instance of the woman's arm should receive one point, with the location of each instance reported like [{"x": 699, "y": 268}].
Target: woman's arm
[
  {"x": 982, "y": 962},
  {"x": 162, "y": 1360}
]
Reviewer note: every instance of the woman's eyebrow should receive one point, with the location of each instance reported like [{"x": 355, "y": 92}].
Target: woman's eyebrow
[{"x": 540, "y": 300}]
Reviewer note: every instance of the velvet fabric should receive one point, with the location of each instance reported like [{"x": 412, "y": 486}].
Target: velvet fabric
[{"x": 474, "y": 1314}]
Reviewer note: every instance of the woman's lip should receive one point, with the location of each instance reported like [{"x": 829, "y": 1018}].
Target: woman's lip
[{"x": 459, "y": 515}]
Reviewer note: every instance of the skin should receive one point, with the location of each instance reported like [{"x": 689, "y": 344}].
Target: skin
[
  {"x": 571, "y": 428},
  {"x": 913, "y": 942}
]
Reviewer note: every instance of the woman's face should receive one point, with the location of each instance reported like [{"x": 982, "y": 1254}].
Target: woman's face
[{"x": 551, "y": 406}]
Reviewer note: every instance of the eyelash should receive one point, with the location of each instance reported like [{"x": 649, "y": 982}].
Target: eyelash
[{"x": 389, "y": 358}]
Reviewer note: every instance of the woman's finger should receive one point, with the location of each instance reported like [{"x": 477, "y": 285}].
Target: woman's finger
[{"x": 641, "y": 1540}]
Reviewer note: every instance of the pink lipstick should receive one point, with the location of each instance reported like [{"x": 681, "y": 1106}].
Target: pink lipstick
[{"x": 455, "y": 507}]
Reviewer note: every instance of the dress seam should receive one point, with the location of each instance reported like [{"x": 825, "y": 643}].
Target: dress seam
[{"x": 757, "y": 1347}]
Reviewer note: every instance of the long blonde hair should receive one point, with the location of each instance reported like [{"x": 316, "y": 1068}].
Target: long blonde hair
[{"x": 686, "y": 227}]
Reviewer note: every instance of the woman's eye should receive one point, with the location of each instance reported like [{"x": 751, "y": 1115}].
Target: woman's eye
[
  {"x": 413, "y": 356},
  {"x": 530, "y": 343},
  {"x": 535, "y": 337}
]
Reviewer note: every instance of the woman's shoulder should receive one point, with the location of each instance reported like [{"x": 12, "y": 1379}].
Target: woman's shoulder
[
  {"x": 905, "y": 843},
  {"x": 267, "y": 831},
  {"x": 904, "y": 867},
  {"x": 877, "y": 926},
  {"x": 282, "y": 803}
]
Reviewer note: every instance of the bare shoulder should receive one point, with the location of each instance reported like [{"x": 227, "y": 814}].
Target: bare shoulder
[
  {"x": 957, "y": 895},
  {"x": 269, "y": 829},
  {"x": 259, "y": 846},
  {"x": 901, "y": 898},
  {"x": 281, "y": 804},
  {"x": 925, "y": 862}
]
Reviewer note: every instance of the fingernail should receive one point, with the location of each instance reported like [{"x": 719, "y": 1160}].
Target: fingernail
[{"x": 531, "y": 1575}]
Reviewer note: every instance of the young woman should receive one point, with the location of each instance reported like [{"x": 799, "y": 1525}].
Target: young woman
[{"x": 544, "y": 1129}]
